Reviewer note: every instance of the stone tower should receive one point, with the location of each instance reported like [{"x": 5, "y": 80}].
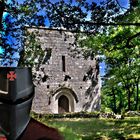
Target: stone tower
[{"x": 68, "y": 81}]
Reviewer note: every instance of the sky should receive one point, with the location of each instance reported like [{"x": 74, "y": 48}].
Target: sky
[
  {"x": 1, "y": 51},
  {"x": 123, "y": 3}
]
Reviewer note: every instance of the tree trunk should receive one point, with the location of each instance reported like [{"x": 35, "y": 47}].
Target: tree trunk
[
  {"x": 127, "y": 88},
  {"x": 121, "y": 101},
  {"x": 129, "y": 96},
  {"x": 137, "y": 96},
  {"x": 2, "y": 7},
  {"x": 114, "y": 100}
]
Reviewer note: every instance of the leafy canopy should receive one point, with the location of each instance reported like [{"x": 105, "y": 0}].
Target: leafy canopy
[{"x": 71, "y": 15}]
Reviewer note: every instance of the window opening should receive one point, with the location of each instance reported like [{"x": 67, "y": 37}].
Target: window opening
[{"x": 63, "y": 64}]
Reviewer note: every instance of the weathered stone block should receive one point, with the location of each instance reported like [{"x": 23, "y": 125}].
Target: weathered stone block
[{"x": 59, "y": 94}]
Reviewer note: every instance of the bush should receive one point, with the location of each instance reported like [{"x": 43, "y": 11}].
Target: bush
[
  {"x": 67, "y": 115},
  {"x": 132, "y": 114},
  {"x": 78, "y": 115}
]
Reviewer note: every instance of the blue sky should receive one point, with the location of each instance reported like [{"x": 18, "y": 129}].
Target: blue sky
[
  {"x": 123, "y": 3},
  {"x": 1, "y": 51}
]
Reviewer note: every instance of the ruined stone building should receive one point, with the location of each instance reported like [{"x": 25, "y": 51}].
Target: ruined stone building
[{"x": 69, "y": 82}]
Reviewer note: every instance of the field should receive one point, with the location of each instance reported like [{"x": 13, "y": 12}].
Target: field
[{"x": 95, "y": 128}]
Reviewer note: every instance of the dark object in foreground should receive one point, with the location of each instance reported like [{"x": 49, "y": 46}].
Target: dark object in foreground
[
  {"x": 15, "y": 84},
  {"x": 14, "y": 118},
  {"x": 38, "y": 131},
  {"x": 16, "y": 95}
]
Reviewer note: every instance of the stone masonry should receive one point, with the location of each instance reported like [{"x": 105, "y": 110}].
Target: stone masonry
[{"x": 67, "y": 82}]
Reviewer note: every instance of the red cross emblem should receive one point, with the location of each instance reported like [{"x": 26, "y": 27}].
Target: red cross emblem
[{"x": 11, "y": 76}]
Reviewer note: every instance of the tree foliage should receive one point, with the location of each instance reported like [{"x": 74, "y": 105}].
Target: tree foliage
[
  {"x": 123, "y": 67},
  {"x": 118, "y": 44},
  {"x": 120, "y": 47},
  {"x": 71, "y": 15}
]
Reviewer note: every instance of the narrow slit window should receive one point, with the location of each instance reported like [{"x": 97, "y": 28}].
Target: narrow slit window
[{"x": 63, "y": 64}]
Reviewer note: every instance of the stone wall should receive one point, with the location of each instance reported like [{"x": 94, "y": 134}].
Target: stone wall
[{"x": 65, "y": 73}]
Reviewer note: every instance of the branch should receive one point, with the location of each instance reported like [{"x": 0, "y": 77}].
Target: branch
[
  {"x": 121, "y": 6},
  {"x": 130, "y": 38},
  {"x": 106, "y": 24},
  {"x": 2, "y": 7},
  {"x": 127, "y": 45}
]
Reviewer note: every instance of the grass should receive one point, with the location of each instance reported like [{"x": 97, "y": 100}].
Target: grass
[{"x": 95, "y": 128}]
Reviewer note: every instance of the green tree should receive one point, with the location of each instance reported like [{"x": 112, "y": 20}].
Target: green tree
[
  {"x": 120, "y": 47},
  {"x": 123, "y": 57},
  {"x": 70, "y": 15},
  {"x": 119, "y": 44}
]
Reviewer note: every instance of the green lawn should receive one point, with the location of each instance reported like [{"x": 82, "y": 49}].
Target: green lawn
[{"x": 101, "y": 129}]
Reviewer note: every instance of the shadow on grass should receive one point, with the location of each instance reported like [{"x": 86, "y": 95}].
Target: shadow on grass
[{"x": 96, "y": 129}]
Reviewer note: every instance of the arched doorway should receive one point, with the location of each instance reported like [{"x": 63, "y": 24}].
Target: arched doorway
[
  {"x": 65, "y": 100},
  {"x": 63, "y": 104}
]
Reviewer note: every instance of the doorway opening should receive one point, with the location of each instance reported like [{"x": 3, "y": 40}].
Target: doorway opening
[{"x": 63, "y": 104}]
